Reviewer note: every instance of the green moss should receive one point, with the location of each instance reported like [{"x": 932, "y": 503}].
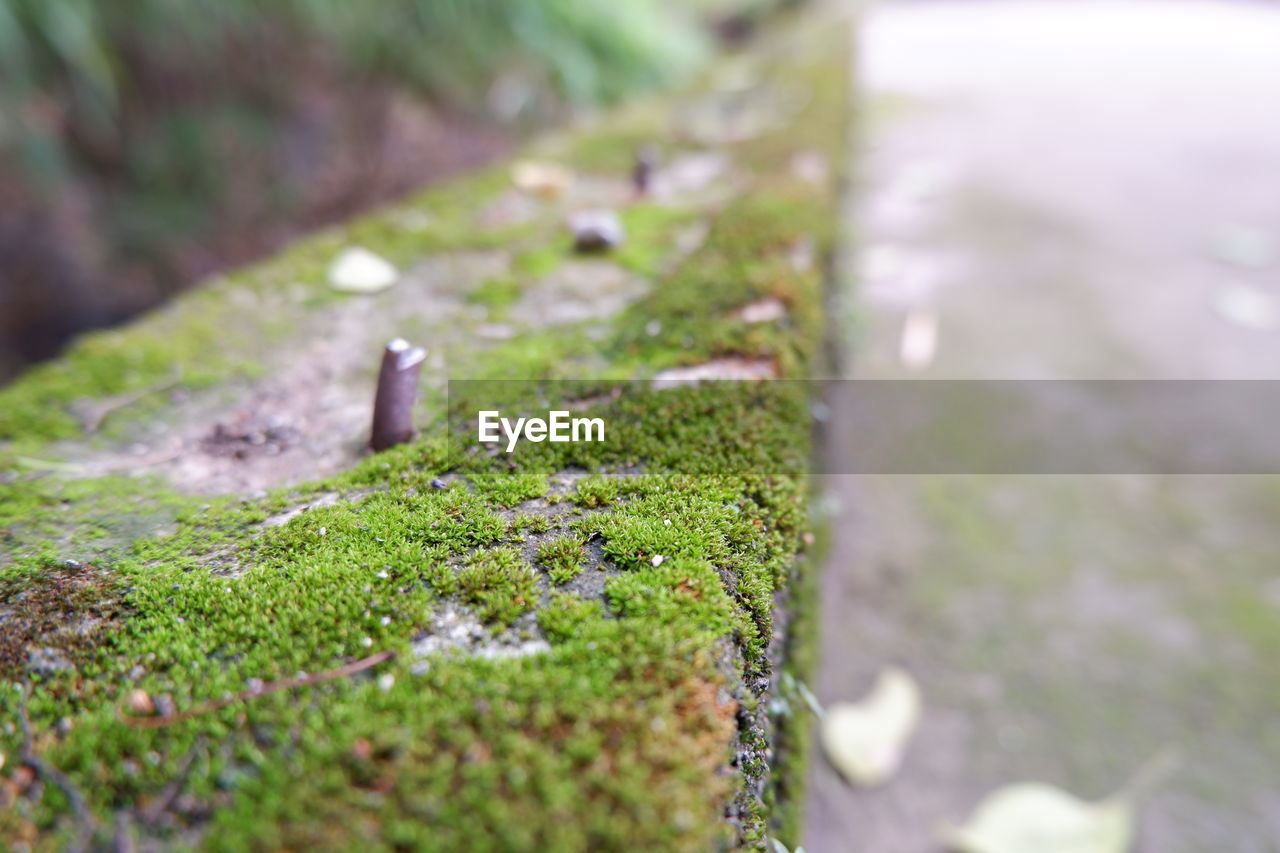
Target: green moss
[
  {"x": 510, "y": 489},
  {"x": 563, "y": 557},
  {"x": 680, "y": 589},
  {"x": 84, "y": 520},
  {"x": 534, "y": 263},
  {"x": 222, "y": 331},
  {"x": 618, "y": 737},
  {"x": 748, "y": 257},
  {"x": 497, "y": 295},
  {"x": 146, "y": 361},
  {"x": 566, "y": 616},
  {"x": 650, "y": 231},
  {"x": 597, "y": 491},
  {"x": 611, "y": 150},
  {"x": 530, "y": 522},
  {"x": 499, "y": 583}
]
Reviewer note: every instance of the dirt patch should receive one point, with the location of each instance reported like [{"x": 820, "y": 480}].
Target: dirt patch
[
  {"x": 456, "y": 630},
  {"x": 309, "y": 416},
  {"x": 248, "y": 437},
  {"x": 55, "y": 619}
]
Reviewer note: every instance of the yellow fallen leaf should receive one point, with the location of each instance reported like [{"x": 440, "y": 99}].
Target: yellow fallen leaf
[
  {"x": 544, "y": 179},
  {"x": 919, "y": 340},
  {"x": 865, "y": 740},
  {"x": 1034, "y": 818},
  {"x": 1247, "y": 307}
]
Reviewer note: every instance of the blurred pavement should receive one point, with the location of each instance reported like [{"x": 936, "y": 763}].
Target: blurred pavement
[{"x": 1071, "y": 189}]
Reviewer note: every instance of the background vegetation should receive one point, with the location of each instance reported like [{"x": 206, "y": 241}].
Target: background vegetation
[{"x": 147, "y": 143}]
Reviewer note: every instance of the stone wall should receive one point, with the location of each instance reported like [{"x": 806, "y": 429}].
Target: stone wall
[{"x": 234, "y": 627}]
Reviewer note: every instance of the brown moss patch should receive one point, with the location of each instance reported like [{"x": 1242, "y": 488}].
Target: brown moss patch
[{"x": 55, "y": 617}]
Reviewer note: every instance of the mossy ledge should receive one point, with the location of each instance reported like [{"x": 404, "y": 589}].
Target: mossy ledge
[{"x": 587, "y": 649}]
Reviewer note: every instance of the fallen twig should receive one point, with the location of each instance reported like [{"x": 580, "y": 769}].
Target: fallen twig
[
  {"x": 160, "y": 805},
  {"x": 253, "y": 693},
  {"x": 97, "y": 413},
  {"x": 45, "y": 770},
  {"x": 142, "y": 462},
  {"x": 47, "y": 466},
  {"x": 126, "y": 840}
]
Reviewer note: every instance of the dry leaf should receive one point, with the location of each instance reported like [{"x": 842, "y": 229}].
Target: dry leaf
[
  {"x": 778, "y": 847},
  {"x": 865, "y": 740},
  {"x": 544, "y": 179},
  {"x": 1037, "y": 818},
  {"x": 1247, "y": 307},
  {"x": 919, "y": 340},
  {"x": 357, "y": 270},
  {"x": 1034, "y": 818}
]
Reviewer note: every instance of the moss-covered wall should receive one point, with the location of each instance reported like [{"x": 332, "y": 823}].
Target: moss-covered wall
[{"x": 583, "y": 650}]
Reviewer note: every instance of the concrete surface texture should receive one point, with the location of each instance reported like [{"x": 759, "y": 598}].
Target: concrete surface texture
[{"x": 1083, "y": 189}]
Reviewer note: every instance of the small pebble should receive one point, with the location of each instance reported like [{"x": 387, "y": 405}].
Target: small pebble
[
  {"x": 657, "y": 560},
  {"x": 386, "y": 681},
  {"x": 367, "y": 642},
  {"x": 165, "y": 706},
  {"x": 439, "y": 484},
  {"x": 140, "y": 703},
  {"x": 596, "y": 230}
]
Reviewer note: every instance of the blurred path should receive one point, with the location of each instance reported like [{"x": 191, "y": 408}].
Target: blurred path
[{"x": 1072, "y": 189}]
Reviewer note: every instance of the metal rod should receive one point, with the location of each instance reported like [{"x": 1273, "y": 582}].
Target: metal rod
[
  {"x": 397, "y": 391},
  {"x": 642, "y": 171}
]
